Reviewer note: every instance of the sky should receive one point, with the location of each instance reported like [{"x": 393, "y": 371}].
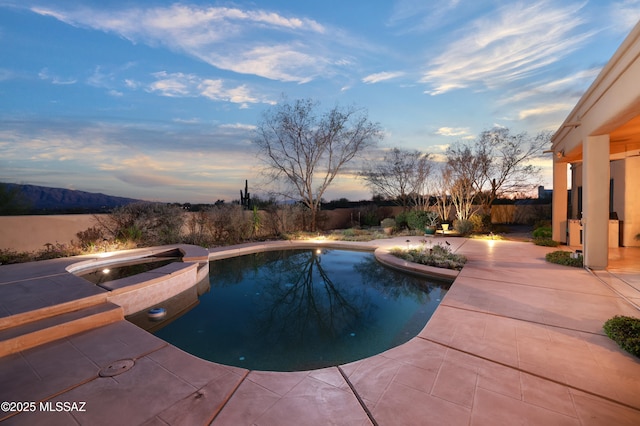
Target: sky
[{"x": 158, "y": 100}]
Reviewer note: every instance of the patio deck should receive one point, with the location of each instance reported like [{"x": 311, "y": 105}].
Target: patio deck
[{"x": 515, "y": 341}]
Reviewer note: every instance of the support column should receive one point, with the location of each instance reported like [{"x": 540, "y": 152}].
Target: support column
[
  {"x": 595, "y": 201},
  {"x": 559, "y": 203}
]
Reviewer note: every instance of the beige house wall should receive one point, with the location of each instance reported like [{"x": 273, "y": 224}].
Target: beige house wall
[{"x": 31, "y": 233}]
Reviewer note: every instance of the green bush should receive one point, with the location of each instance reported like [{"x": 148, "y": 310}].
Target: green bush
[
  {"x": 463, "y": 227},
  {"x": 543, "y": 232},
  {"x": 401, "y": 219},
  {"x": 419, "y": 219},
  {"x": 625, "y": 331},
  {"x": 562, "y": 257},
  {"x": 547, "y": 242}
]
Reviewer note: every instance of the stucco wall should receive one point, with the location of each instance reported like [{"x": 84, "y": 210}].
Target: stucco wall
[{"x": 30, "y": 233}]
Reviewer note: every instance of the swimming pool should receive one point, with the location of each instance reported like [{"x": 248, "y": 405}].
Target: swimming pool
[{"x": 303, "y": 309}]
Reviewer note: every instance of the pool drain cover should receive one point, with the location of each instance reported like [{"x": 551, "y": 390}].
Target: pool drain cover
[{"x": 116, "y": 367}]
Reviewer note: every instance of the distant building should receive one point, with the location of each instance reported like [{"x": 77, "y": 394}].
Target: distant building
[
  {"x": 544, "y": 194},
  {"x": 600, "y": 140}
]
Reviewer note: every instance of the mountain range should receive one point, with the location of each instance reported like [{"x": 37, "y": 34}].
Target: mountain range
[{"x": 32, "y": 199}]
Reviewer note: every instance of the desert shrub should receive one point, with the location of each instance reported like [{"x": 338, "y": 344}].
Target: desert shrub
[
  {"x": 90, "y": 237},
  {"x": 144, "y": 223},
  {"x": 227, "y": 224},
  {"x": 542, "y": 232},
  {"x": 562, "y": 257},
  {"x": 282, "y": 219},
  {"x": 625, "y": 331},
  {"x": 388, "y": 223},
  {"x": 349, "y": 232},
  {"x": 438, "y": 256},
  {"x": 57, "y": 250},
  {"x": 463, "y": 227},
  {"x": 481, "y": 222},
  {"x": 8, "y": 256}
]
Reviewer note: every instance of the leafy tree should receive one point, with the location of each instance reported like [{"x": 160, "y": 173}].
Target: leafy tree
[
  {"x": 400, "y": 176},
  {"x": 305, "y": 150}
]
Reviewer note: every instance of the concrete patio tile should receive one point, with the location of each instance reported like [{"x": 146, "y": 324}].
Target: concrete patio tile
[
  {"x": 120, "y": 340},
  {"x": 313, "y": 402},
  {"x": 494, "y": 409},
  {"x": 132, "y": 397},
  {"x": 246, "y": 405},
  {"x": 373, "y": 375},
  {"x": 419, "y": 352},
  {"x": 593, "y": 411},
  {"x": 441, "y": 326},
  {"x": 456, "y": 383},
  {"x": 192, "y": 369},
  {"x": 201, "y": 406},
  {"x": 403, "y": 405},
  {"x": 621, "y": 387},
  {"x": 23, "y": 271},
  {"x": 330, "y": 375},
  {"x": 500, "y": 379},
  {"x": 544, "y": 352},
  {"x": 416, "y": 377},
  {"x": 278, "y": 383},
  {"x": 531, "y": 330},
  {"x": 557, "y": 372},
  {"x": 45, "y": 364},
  {"x": 546, "y": 394}
]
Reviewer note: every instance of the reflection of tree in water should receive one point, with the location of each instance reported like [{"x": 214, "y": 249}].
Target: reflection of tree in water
[
  {"x": 231, "y": 271},
  {"x": 302, "y": 302},
  {"x": 395, "y": 284}
]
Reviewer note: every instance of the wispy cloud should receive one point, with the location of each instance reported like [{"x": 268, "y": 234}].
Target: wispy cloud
[
  {"x": 226, "y": 38},
  {"x": 238, "y": 126},
  {"x": 453, "y": 131},
  {"x": 191, "y": 85},
  {"x": 44, "y": 74},
  {"x": 382, "y": 76},
  {"x": 420, "y": 15},
  {"x": 545, "y": 109},
  {"x": 572, "y": 86},
  {"x": 517, "y": 43},
  {"x": 625, "y": 14}
]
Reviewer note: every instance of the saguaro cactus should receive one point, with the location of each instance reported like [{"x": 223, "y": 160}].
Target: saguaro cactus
[{"x": 245, "y": 198}]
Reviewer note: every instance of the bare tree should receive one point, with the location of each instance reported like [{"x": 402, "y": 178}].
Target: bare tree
[
  {"x": 440, "y": 191},
  {"x": 400, "y": 176},
  {"x": 306, "y": 151},
  {"x": 497, "y": 164}
]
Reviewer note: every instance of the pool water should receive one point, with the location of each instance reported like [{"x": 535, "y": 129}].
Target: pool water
[{"x": 303, "y": 309}]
